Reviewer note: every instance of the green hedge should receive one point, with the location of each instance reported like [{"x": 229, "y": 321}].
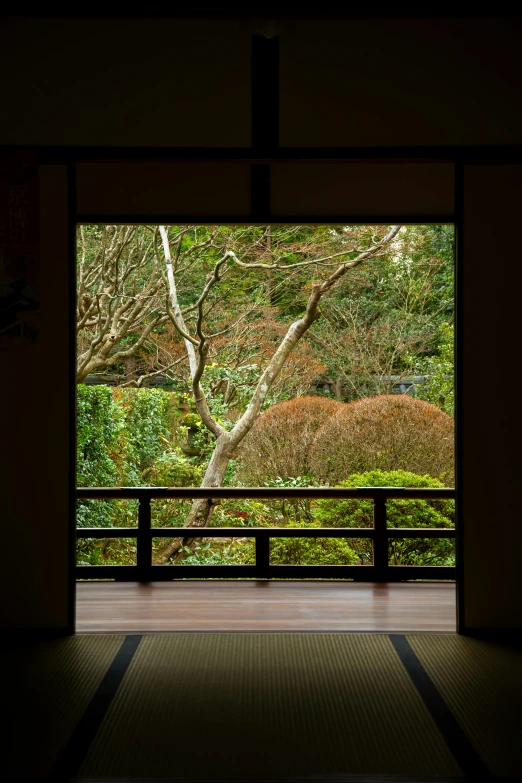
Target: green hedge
[
  {"x": 400, "y": 513},
  {"x": 125, "y": 438},
  {"x": 310, "y": 550}
]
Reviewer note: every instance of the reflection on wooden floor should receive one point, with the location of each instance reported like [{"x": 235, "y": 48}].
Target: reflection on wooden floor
[{"x": 126, "y": 607}]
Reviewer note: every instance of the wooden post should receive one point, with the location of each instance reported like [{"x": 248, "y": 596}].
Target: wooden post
[
  {"x": 144, "y": 540},
  {"x": 262, "y": 555},
  {"x": 380, "y": 542}
]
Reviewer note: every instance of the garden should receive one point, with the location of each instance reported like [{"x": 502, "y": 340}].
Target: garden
[{"x": 271, "y": 357}]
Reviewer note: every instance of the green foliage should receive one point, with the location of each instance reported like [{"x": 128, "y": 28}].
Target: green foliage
[
  {"x": 289, "y": 511},
  {"x": 228, "y": 552},
  {"x": 124, "y": 439},
  {"x": 148, "y": 424},
  {"x": 234, "y": 512},
  {"x": 225, "y": 386},
  {"x": 310, "y": 550},
  {"x": 380, "y": 321},
  {"x": 190, "y": 421},
  {"x": 120, "y": 433},
  {"x": 439, "y": 388},
  {"x": 99, "y": 424},
  {"x": 172, "y": 469},
  {"x": 400, "y": 513},
  {"x": 109, "y": 551}
]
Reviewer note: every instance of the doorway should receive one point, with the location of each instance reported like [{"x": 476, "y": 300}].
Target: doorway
[{"x": 354, "y": 429}]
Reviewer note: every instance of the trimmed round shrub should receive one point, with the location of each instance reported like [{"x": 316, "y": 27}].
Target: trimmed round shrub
[
  {"x": 399, "y": 513},
  {"x": 278, "y": 445},
  {"x": 387, "y": 432}
]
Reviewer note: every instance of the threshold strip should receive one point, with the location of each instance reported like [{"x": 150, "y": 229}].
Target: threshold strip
[
  {"x": 80, "y": 740},
  {"x": 326, "y": 778},
  {"x": 454, "y": 736}
]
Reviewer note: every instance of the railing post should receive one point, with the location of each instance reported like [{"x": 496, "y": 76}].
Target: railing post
[
  {"x": 144, "y": 540},
  {"x": 380, "y": 541},
  {"x": 262, "y": 555}
]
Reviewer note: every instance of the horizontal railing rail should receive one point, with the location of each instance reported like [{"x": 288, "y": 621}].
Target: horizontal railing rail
[
  {"x": 380, "y": 534},
  {"x": 175, "y": 493}
]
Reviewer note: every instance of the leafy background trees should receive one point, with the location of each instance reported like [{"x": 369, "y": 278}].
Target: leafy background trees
[{"x": 237, "y": 292}]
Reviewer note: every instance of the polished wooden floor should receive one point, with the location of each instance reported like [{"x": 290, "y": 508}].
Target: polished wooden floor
[{"x": 127, "y": 607}]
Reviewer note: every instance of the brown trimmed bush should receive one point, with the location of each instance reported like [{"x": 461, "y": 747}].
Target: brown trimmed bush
[
  {"x": 386, "y": 432},
  {"x": 279, "y": 442}
]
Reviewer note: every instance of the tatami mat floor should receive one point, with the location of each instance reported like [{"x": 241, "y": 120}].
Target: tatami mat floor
[{"x": 263, "y": 707}]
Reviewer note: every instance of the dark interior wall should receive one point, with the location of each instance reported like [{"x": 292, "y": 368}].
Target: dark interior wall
[
  {"x": 163, "y": 187},
  {"x": 35, "y": 459},
  {"x": 400, "y": 82},
  {"x": 125, "y": 81},
  {"x": 363, "y": 188},
  {"x": 160, "y": 187},
  {"x": 162, "y": 82},
  {"x": 492, "y": 418}
]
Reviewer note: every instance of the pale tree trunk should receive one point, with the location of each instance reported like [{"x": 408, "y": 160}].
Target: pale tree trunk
[{"x": 202, "y": 508}]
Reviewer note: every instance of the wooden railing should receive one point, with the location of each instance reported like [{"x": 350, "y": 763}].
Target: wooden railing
[{"x": 380, "y": 533}]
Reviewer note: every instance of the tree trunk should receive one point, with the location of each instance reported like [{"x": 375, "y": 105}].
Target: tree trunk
[
  {"x": 202, "y": 508},
  {"x": 130, "y": 364},
  {"x": 338, "y": 388}
]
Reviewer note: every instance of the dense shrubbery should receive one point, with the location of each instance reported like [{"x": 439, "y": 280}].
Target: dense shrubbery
[
  {"x": 310, "y": 550},
  {"x": 121, "y": 432},
  {"x": 125, "y": 438},
  {"x": 387, "y": 432},
  {"x": 439, "y": 387},
  {"x": 220, "y": 552},
  {"x": 400, "y": 513},
  {"x": 148, "y": 425},
  {"x": 133, "y": 437},
  {"x": 99, "y": 423}
]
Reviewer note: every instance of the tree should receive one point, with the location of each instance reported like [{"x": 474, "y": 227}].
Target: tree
[
  {"x": 192, "y": 323},
  {"x": 388, "y": 317},
  {"x": 122, "y": 320},
  {"x": 121, "y": 295}
]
